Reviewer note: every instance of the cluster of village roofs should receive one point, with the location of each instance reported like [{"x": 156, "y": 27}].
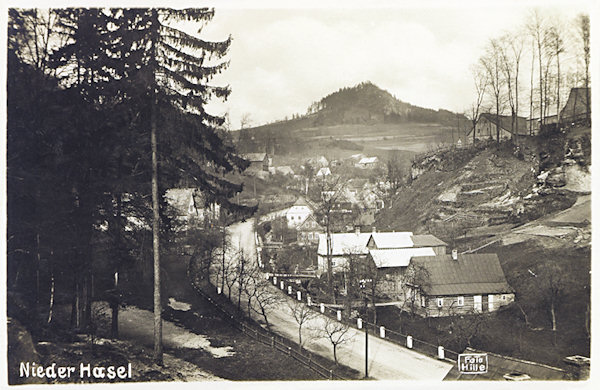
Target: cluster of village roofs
[{"x": 453, "y": 284}]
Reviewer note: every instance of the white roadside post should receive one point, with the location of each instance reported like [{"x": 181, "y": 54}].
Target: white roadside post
[
  {"x": 308, "y": 300},
  {"x": 274, "y": 280},
  {"x": 219, "y": 290},
  {"x": 409, "y": 342},
  {"x": 359, "y": 323},
  {"x": 382, "y": 332},
  {"x": 339, "y": 315},
  {"x": 322, "y": 308},
  {"x": 281, "y": 284},
  {"x": 289, "y": 290},
  {"x": 299, "y": 295},
  {"x": 440, "y": 352}
]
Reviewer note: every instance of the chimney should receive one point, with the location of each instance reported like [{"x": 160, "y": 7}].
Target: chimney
[
  {"x": 357, "y": 230},
  {"x": 454, "y": 254}
]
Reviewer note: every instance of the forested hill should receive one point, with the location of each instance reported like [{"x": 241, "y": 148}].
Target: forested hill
[
  {"x": 362, "y": 105},
  {"x": 367, "y": 103}
]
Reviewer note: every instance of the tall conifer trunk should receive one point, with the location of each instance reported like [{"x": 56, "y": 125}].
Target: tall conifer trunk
[{"x": 155, "y": 238}]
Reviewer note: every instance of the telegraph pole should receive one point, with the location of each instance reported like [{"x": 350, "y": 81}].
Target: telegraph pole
[{"x": 366, "y": 325}]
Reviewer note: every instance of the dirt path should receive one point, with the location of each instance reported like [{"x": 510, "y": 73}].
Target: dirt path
[
  {"x": 557, "y": 225},
  {"x": 386, "y": 360},
  {"x": 138, "y": 325}
]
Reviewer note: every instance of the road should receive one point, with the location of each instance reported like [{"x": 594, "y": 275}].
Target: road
[{"x": 387, "y": 361}]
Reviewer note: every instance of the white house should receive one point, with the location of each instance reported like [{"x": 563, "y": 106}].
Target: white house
[
  {"x": 298, "y": 213},
  {"x": 387, "y": 249},
  {"x": 325, "y": 171},
  {"x": 367, "y": 162},
  {"x": 190, "y": 206}
]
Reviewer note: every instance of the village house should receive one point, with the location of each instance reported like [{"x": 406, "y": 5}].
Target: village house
[
  {"x": 575, "y": 108},
  {"x": 308, "y": 231},
  {"x": 190, "y": 206},
  {"x": 258, "y": 162},
  {"x": 343, "y": 245},
  {"x": 486, "y": 127},
  {"x": 285, "y": 170},
  {"x": 461, "y": 284},
  {"x": 298, "y": 213},
  {"x": 367, "y": 162},
  {"x": 389, "y": 250},
  {"x": 574, "y": 111},
  {"x": 324, "y": 171}
]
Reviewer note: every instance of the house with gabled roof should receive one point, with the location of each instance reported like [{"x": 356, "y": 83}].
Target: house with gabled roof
[
  {"x": 323, "y": 171},
  {"x": 390, "y": 251},
  {"x": 190, "y": 206},
  {"x": 299, "y": 212},
  {"x": 258, "y": 161},
  {"x": 486, "y": 127},
  {"x": 462, "y": 284},
  {"x": 367, "y": 162},
  {"x": 576, "y": 107},
  {"x": 308, "y": 231}
]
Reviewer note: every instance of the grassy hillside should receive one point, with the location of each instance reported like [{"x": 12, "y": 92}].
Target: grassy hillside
[
  {"x": 364, "y": 114},
  {"x": 489, "y": 199}
]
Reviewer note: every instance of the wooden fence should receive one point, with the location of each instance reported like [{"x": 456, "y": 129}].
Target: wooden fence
[{"x": 267, "y": 337}]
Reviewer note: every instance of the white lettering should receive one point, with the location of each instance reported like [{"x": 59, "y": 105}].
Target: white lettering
[
  {"x": 24, "y": 370},
  {"x": 98, "y": 372},
  {"x": 40, "y": 371},
  {"x": 83, "y": 368},
  {"x": 110, "y": 372},
  {"x": 50, "y": 371},
  {"x": 62, "y": 372},
  {"x": 121, "y": 372}
]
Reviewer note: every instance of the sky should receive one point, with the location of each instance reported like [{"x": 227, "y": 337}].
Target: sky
[
  {"x": 286, "y": 55},
  {"x": 283, "y": 59}
]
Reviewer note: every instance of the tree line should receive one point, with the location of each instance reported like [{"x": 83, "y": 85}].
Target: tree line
[
  {"x": 555, "y": 55},
  {"x": 105, "y": 111}
]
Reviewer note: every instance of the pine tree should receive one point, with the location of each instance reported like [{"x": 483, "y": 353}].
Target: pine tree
[{"x": 186, "y": 141}]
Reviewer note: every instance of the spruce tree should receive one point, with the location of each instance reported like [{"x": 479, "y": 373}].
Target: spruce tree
[{"x": 186, "y": 141}]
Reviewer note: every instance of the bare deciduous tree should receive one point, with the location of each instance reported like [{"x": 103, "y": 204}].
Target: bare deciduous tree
[
  {"x": 302, "y": 314},
  {"x": 480, "y": 79},
  {"x": 583, "y": 23},
  {"x": 266, "y": 300},
  {"x": 337, "y": 334},
  {"x": 511, "y": 50},
  {"x": 492, "y": 63}
]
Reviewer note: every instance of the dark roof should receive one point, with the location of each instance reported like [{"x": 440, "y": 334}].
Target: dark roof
[
  {"x": 255, "y": 157},
  {"x": 304, "y": 225},
  {"x": 505, "y": 122},
  {"x": 301, "y": 202},
  {"x": 470, "y": 274},
  {"x": 499, "y": 365},
  {"x": 421, "y": 240},
  {"x": 576, "y": 103}
]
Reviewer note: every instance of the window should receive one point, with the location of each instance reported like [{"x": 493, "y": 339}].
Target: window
[
  {"x": 460, "y": 301},
  {"x": 440, "y": 302}
]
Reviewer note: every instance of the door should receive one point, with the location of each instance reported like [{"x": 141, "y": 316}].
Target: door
[{"x": 477, "y": 303}]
